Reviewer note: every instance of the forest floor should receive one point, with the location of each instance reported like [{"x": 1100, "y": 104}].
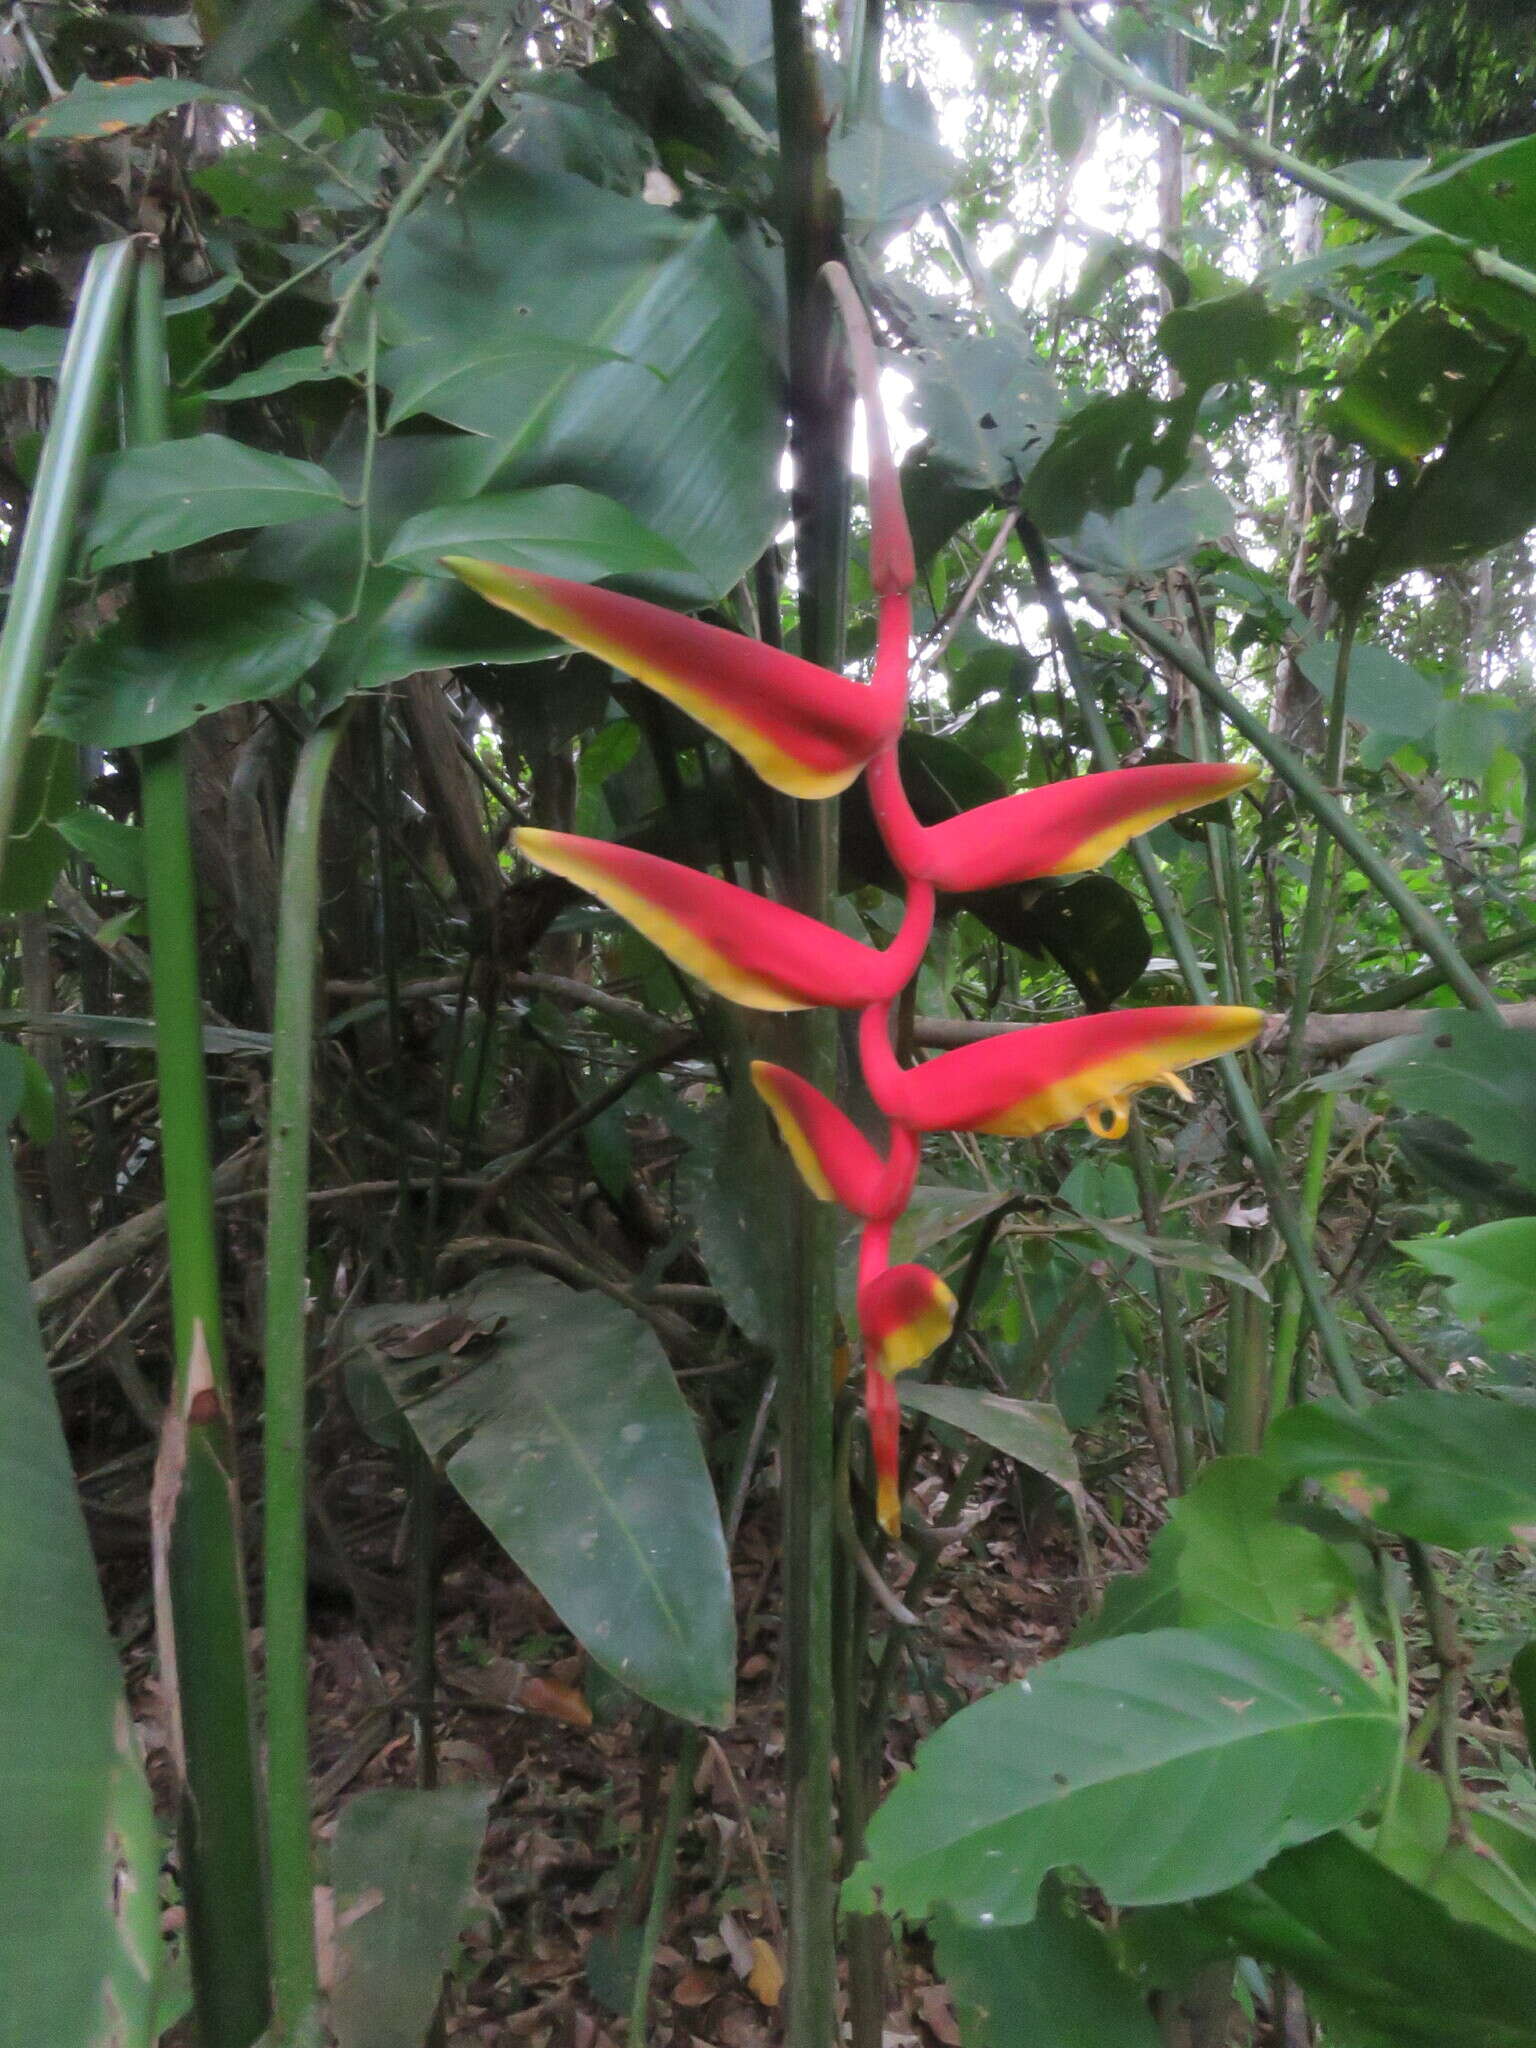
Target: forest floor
[{"x": 578, "y": 1777}]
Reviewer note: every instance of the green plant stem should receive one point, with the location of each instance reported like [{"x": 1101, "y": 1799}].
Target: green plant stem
[
  {"x": 286, "y": 1606},
  {"x": 1240, "y": 1096},
  {"x": 219, "y": 1827},
  {"x": 1170, "y": 1322},
  {"x": 90, "y": 362},
  {"x": 678, "y": 1800},
  {"x": 1397, "y": 995},
  {"x": 1316, "y": 911},
  {"x": 1351, "y": 199},
  {"x": 414, "y": 189},
  {"x": 1288, "y": 1319},
  {"x": 1430, "y": 934},
  {"x": 1445, "y": 1647},
  {"x": 820, "y": 412}
]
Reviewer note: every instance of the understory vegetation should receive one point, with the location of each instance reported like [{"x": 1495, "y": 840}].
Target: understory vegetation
[{"x": 705, "y": 1339}]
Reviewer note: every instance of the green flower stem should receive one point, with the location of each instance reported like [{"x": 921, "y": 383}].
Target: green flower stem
[
  {"x": 285, "y": 1609},
  {"x": 90, "y": 361},
  {"x": 1288, "y": 1318},
  {"x": 1170, "y": 1323},
  {"x": 220, "y": 1829},
  {"x": 1350, "y": 198},
  {"x": 1245, "y": 1109},
  {"x": 1397, "y": 995},
  {"x": 1431, "y": 935}
]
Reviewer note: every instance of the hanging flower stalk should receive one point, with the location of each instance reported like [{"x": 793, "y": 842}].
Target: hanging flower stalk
[{"x": 811, "y": 733}]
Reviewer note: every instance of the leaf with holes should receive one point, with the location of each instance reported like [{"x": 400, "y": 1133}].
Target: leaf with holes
[
  {"x": 1163, "y": 1766},
  {"x": 566, "y": 1433}
]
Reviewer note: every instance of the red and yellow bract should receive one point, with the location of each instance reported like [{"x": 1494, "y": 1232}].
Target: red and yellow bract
[{"x": 810, "y": 732}]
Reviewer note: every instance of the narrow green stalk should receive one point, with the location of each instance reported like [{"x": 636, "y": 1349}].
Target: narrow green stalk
[
  {"x": 1431, "y": 935},
  {"x": 1318, "y": 907},
  {"x": 820, "y": 414},
  {"x": 90, "y": 363},
  {"x": 1397, "y": 995},
  {"x": 219, "y": 1824},
  {"x": 678, "y": 1801},
  {"x": 1240, "y": 1097},
  {"x": 1170, "y": 1322},
  {"x": 285, "y": 1609},
  {"x": 1288, "y": 1319},
  {"x": 1350, "y": 198}
]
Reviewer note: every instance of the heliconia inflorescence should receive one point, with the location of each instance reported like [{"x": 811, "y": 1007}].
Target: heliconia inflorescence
[{"x": 811, "y": 732}]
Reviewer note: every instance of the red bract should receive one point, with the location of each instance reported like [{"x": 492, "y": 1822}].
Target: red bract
[
  {"x": 1041, "y": 1076},
  {"x": 835, "y": 1160},
  {"x": 810, "y": 732},
  {"x": 760, "y": 954},
  {"x": 806, "y": 730}
]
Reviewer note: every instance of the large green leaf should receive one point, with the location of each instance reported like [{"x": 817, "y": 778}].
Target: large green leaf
[
  {"x": 1030, "y": 1431},
  {"x": 1156, "y": 530},
  {"x": 1469, "y": 1070},
  {"x": 1451, "y": 1469},
  {"x": 686, "y": 432},
  {"x": 1384, "y": 693},
  {"x": 1492, "y": 1271},
  {"x": 1163, "y": 1766},
  {"x": 1484, "y": 1873},
  {"x": 402, "y": 1866},
  {"x": 1235, "y": 1560},
  {"x": 561, "y": 530},
  {"x": 1417, "y": 380},
  {"x": 1477, "y": 494},
  {"x": 228, "y": 641},
  {"x": 95, "y": 107},
  {"x": 563, "y": 1428},
  {"x": 178, "y": 493},
  {"x": 988, "y": 403},
  {"x": 482, "y": 385},
  {"x": 1052, "y": 1984},
  {"x": 31, "y": 857},
  {"x": 1384, "y": 1965},
  {"x": 79, "y": 1904}
]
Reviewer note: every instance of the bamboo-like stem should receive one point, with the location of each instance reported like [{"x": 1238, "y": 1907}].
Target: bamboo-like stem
[
  {"x": 1396, "y": 995},
  {"x": 1318, "y": 906},
  {"x": 1350, "y": 198},
  {"x": 820, "y": 410},
  {"x": 285, "y": 1610},
  {"x": 220, "y": 1830},
  {"x": 1245, "y": 1109},
  {"x": 1288, "y": 1317},
  {"x": 1170, "y": 1323},
  {"x": 1431, "y": 935},
  {"x": 90, "y": 360}
]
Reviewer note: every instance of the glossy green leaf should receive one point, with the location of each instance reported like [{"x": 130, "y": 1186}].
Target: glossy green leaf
[
  {"x": 114, "y": 850},
  {"x": 1484, "y": 1876},
  {"x": 1468, "y": 1070},
  {"x": 1492, "y": 1271},
  {"x": 1417, "y": 380},
  {"x": 479, "y": 384},
  {"x": 402, "y": 1870},
  {"x": 888, "y": 170},
  {"x": 27, "y": 1094},
  {"x": 225, "y": 642},
  {"x": 685, "y": 432},
  {"x": 32, "y": 351},
  {"x": 280, "y": 373},
  {"x": 1137, "y": 1602},
  {"x": 1450, "y": 1469},
  {"x": 563, "y": 1427},
  {"x": 1237, "y": 1561},
  {"x": 95, "y": 107},
  {"x": 1052, "y": 1984},
  {"x": 1032, "y": 1432},
  {"x": 1216, "y": 340},
  {"x": 1163, "y": 1766},
  {"x": 79, "y": 1892},
  {"x": 988, "y": 403},
  {"x": 1384, "y": 693},
  {"x": 561, "y": 530},
  {"x": 1156, "y": 530},
  {"x": 177, "y": 493},
  {"x": 1383, "y": 1964}
]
